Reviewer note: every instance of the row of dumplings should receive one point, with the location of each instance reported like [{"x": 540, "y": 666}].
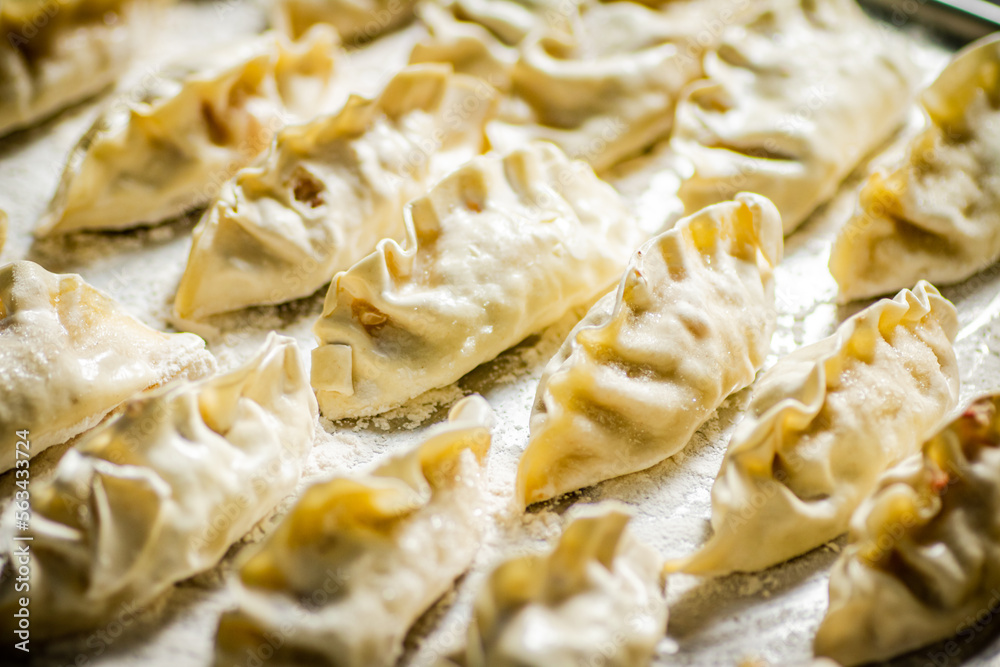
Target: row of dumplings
[
  {"x": 456, "y": 292},
  {"x": 163, "y": 490}
]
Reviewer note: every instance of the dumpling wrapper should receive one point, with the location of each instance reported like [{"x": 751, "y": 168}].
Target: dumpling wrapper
[
  {"x": 604, "y": 88},
  {"x": 600, "y": 593},
  {"x": 690, "y": 323},
  {"x": 823, "y": 424},
  {"x": 356, "y": 21},
  {"x": 923, "y": 560},
  {"x": 161, "y": 493},
  {"x": 496, "y": 251},
  {"x": 330, "y": 189},
  {"x": 54, "y": 54},
  {"x": 936, "y": 215},
  {"x": 791, "y": 119},
  {"x": 160, "y": 151},
  {"x": 69, "y": 355},
  {"x": 359, "y": 559}
]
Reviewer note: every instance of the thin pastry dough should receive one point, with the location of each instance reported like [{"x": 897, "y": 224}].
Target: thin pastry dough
[
  {"x": 923, "y": 560},
  {"x": 823, "y": 424},
  {"x": 157, "y": 153},
  {"x": 161, "y": 493},
  {"x": 54, "y": 54},
  {"x": 359, "y": 559},
  {"x": 791, "y": 118},
  {"x": 497, "y": 250},
  {"x": 69, "y": 355},
  {"x": 690, "y": 323},
  {"x": 330, "y": 190},
  {"x": 356, "y": 21},
  {"x": 599, "y": 593},
  {"x": 936, "y": 215}
]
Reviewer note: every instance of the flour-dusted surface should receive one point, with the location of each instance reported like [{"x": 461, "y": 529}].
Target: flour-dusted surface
[{"x": 769, "y": 616}]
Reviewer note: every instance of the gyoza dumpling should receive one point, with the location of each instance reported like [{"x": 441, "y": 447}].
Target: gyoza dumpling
[
  {"x": 54, "y": 54},
  {"x": 356, "y": 20},
  {"x": 69, "y": 355},
  {"x": 690, "y": 323},
  {"x": 937, "y": 214},
  {"x": 359, "y": 559},
  {"x": 161, "y": 493},
  {"x": 497, "y": 250},
  {"x": 161, "y": 151},
  {"x": 791, "y": 118},
  {"x": 604, "y": 89},
  {"x": 600, "y": 595},
  {"x": 330, "y": 190},
  {"x": 823, "y": 424},
  {"x": 923, "y": 561}
]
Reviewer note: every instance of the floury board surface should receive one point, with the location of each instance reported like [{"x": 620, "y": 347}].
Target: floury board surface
[{"x": 764, "y": 618}]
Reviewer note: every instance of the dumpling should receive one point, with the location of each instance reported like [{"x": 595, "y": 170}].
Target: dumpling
[
  {"x": 4, "y": 224},
  {"x": 359, "y": 559},
  {"x": 923, "y": 561},
  {"x": 690, "y": 323},
  {"x": 162, "y": 150},
  {"x": 823, "y": 424},
  {"x": 54, "y": 54},
  {"x": 791, "y": 118},
  {"x": 605, "y": 88},
  {"x": 497, "y": 250},
  {"x": 357, "y": 21},
  {"x": 69, "y": 355},
  {"x": 936, "y": 215},
  {"x": 330, "y": 190},
  {"x": 162, "y": 492},
  {"x": 600, "y": 595}
]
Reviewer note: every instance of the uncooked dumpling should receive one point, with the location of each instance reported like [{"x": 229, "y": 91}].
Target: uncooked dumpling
[
  {"x": 823, "y": 424},
  {"x": 923, "y": 559},
  {"x": 790, "y": 118},
  {"x": 69, "y": 355},
  {"x": 359, "y": 559},
  {"x": 497, "y": 250},
  {"x": 54, "y": 54},
  {"x": 936, "y": 215},
  {"x": 161, "y": 151},
  {"x": 604, "y": 88},
  {"x": 690, "y": 323},
  {"x": 161, "y": 493},
  {"x": 331, "y": 189},
  {"x": 599, "y": 596}
]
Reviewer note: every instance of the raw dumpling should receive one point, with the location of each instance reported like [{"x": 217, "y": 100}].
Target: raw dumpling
[
  {"x": 330, "y": 190},
  {"x": 937, "y": 214},
  {"x": 604, "y": 89},
  {"x": 923, "y": 561},
  {"x": 358, "y": 560},
  {"x": 498, "y": 250},
  {"x": 790, "y": 118},
  {"x": 161, "y": 151},
  {"x": 356, "y": 20},
  {"x": 54, "y": 54},
  {"x": 69, "y": 355},
  {"x": 690, "y": 323},
  {"x": 823, "y": 424},
  {"x": 161, "y": 493},
  {"x": 600, "y": 595}
]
